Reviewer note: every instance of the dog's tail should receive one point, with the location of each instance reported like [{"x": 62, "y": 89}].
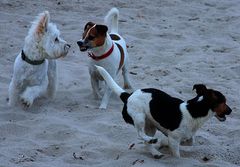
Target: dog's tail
[
  {"x": 113, "y": 85},
  {"x": 112, "y": 16}
]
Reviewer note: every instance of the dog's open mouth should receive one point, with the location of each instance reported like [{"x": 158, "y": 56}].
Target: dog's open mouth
[
  {"x": 83, "y": 48},
  {"x": 221, "y": 117}
]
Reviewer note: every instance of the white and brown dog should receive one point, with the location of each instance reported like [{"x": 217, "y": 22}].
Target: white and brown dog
[
  {"x": 152, "y": 109},
  {"x": 106, "y": 50}
]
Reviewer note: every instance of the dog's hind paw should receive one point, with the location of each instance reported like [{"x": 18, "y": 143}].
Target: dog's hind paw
[
  {"x": 158, "y": 156},
  {"x": 153, "y": 141}
]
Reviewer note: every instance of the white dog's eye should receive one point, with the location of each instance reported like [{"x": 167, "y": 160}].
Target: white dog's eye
[{"x": 56, "y": 39}]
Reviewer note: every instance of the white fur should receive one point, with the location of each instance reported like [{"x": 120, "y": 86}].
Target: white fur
[
  {"x": 114, "y": 22},
  {"x": 29, "y": 81},
  {"x": 111, "y": 63},
  {"x": 138, "y": 109}
]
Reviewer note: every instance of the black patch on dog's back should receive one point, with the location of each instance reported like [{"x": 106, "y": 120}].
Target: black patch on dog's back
[{"x": 165, "y": 109}]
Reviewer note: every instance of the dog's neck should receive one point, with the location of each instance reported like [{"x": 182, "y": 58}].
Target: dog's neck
[
  {"x": 34, "y": 51},
  {"x": 101, "y": 50},
  {"x": 199, "y": 112},
  {"x": 32, "y": 62},
  {"x": 198, "y": 108}
]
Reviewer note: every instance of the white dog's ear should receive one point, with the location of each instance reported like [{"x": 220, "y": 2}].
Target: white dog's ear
[{"x": 42, "y": 23}]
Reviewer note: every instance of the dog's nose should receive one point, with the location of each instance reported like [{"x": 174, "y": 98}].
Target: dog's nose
[
  {"x": 80, "y": 43},
  {"x": 229, "y": 110}
]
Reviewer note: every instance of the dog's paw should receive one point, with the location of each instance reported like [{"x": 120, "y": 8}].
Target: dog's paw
[
  {"x": 103, "y": 107},
  {"x": 26, "y": 102},
  {"x": 153, "y": 141},
  {"x": 158, "y": 156}
]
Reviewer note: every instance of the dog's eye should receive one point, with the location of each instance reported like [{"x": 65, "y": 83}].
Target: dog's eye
[
  {"x": 90, "y": 37},
  {"x": 56, "y": 39}
]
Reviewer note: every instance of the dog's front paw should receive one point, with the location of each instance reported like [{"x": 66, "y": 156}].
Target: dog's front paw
[
  {"x": 158, "y": 156},
  {"x": 26, "y": 102},
  {"x": 103, "y": 107}
]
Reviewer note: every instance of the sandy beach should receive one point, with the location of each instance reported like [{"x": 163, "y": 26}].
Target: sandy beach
[{"x": 172, "y": 46}]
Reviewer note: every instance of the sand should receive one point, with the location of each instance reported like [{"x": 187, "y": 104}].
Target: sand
[{"x": 172, "y": 45}]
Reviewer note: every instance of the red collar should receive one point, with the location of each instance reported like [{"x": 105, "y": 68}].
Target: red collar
[{"x": 102, "y": 56}]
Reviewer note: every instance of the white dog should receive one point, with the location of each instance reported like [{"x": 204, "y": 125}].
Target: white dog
[
  {"x": 107, "y": 50},
  {"x": 151, "y": 109},
  {"x": 35, "y": 68}
]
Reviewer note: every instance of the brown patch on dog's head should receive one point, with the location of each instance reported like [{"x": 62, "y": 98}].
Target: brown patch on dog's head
[
  {"x": 93, "y": 36},
  {"x": 215, "y": 100},
  {"x": 86, "y": 29}
]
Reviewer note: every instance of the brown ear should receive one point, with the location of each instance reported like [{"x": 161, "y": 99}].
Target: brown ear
[
  {"x": 42, "y": 23},
  {"x": 200, "y": 89},
  {"x": 88, "y": 25},
  {"x": 101, "y": 29}
]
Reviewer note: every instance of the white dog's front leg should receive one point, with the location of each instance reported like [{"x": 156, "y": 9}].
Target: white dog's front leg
[
  {"x": 105, "y": 98},
  {"x": 139, "y": 123},
  {"x": 52, "y": 78},
  {"x": 13, "y": 94},
  {"x": 31, "y": 93}
]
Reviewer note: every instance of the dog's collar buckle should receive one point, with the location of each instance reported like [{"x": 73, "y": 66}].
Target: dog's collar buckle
[
  {"x": 32, "y": 62},
  {"x": 105, "y": 55}
]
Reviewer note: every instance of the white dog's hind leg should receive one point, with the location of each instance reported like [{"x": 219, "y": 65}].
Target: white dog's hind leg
[
  {"x": 13, "y": 94},
  {"x": 139, "y": 123},
  {"x": 127, "y": 84},
  {"x": 52, "y": 78},
  {"x": 31, "y": 93},
  {"x": 150, "y": 130}
]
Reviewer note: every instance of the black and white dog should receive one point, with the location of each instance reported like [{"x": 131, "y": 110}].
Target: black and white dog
[{"x": 152, "y": 109}]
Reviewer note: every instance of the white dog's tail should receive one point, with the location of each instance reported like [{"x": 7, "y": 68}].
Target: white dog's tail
[
  {"x": 113, "y": 85},
  {"x": 112, "y": 16}
]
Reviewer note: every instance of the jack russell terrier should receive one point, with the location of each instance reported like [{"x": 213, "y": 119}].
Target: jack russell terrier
[
  {"x": 152, "y": 109},
  {"x": 106, "y": 50}
]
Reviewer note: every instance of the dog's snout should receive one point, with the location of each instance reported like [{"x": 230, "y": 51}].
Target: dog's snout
[
  {"x": 80, "y": 43},
  {"x": 67, "y": 46},
  {"x": 229, "y": 110}
]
